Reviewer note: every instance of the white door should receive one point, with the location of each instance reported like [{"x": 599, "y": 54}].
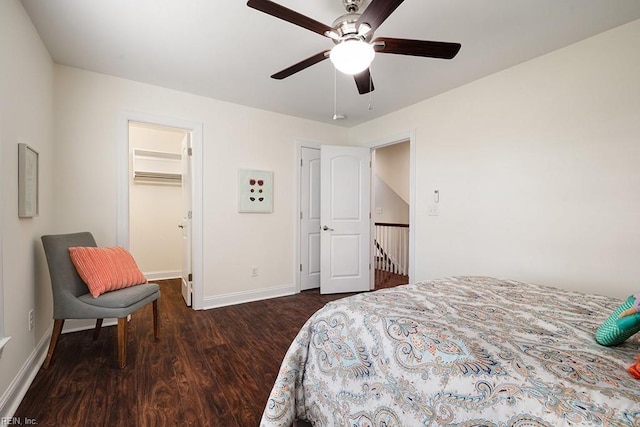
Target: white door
[
  {"x": 185, "y": 226},
  {"x": 309, "y": 218},
  {"x": 345, "y": 219}
]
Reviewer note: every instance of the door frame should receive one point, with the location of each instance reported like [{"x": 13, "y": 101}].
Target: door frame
[
  {"x": 298, "y": 208},
  {"x": 122, "y": 216},
  {"x": 410, "y": 136},
  {"x": 304, "y": 239},
  {"x": 392, "y": 140}
]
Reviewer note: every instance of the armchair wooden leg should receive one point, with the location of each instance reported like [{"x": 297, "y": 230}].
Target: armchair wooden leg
[
  {"x": 55, "y": 335},
  {"x": 96, "y": 331},
  {"x": 155, "y": 319},
  {"x": 122, "y": 342}
]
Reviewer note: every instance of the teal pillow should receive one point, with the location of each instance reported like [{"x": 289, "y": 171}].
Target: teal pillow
[{"x": 616, "y": 330}]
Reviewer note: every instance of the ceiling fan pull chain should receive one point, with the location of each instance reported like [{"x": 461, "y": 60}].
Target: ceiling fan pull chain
[
  {"x": 335, "y": 95},
  {"x": 370, "y": 106},
  {"x": 336, "y": 116}
]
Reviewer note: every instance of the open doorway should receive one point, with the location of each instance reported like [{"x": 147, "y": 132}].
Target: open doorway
[
  {"x": 160, "y": 164},
  {"x": 155, "y": 199},
  {"x": 391, "y": 213}
]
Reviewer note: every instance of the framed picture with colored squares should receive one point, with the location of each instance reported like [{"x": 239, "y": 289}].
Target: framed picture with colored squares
[{"x": 255, "y": 191}]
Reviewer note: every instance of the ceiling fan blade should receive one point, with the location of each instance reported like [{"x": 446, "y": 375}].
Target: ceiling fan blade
[
  {"x": 376, "y": 13},
  {"x": 430, "y": 49},
  {"x": 301, "y": 65},
  {"x": 289, "y": 15},
  {"x": 364, "y": 82}
]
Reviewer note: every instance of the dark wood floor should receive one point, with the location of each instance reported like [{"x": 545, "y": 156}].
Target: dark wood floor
[
  {"x": 385, "y": 279},
  {"x": 209, "y": 368}
]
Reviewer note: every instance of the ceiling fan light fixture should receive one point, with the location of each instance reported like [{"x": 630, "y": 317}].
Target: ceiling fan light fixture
[
  {"x": 352, "y": 56},
  {"x": 364, "y": 29},
  {"x": 332, "y": 35}
]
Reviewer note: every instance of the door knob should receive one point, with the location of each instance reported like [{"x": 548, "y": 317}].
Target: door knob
[
  {"x": 180, "y": 226},
  {"x": 325, "y": 228}
]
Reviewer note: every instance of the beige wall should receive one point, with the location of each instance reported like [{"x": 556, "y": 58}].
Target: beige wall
[
  {"x": 155, "y": 208},
  {"x": 391, "y": 183},
  {"x": 392, "y": 165},
  {"x": 537, "y": 168},
  {"x": 26, "y": 114},
  {"x": 235, "y": 137}
]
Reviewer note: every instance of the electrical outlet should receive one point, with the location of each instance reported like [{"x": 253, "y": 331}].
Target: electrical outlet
[
  {"x": 30, "y": 320},
  {"x": 254, "y": 271}
]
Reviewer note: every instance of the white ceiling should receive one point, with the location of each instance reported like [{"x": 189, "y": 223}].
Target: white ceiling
[{"x": 227, "y": 51}]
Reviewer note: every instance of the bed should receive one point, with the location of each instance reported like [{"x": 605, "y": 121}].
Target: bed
[{"x": 462, "y": 351}]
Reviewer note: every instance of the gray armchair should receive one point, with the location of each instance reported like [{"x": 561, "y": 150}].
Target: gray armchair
[{"x": 72, "y": 300}]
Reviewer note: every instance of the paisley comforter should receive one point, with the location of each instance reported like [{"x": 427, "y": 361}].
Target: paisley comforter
[{"x": 465, "y": 351}]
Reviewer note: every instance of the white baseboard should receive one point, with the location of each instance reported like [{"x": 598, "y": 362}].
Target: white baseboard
[
  {"x": 247, "y": 296},
  {"x": 162, "y": 275},
  {"x": 14, "y": 394}
]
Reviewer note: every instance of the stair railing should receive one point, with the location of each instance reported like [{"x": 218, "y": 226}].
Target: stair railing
[{"x": 392, "y": 247}]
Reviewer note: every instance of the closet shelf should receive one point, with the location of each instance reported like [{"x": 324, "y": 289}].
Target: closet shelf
[{"x": 157, "y": 166}]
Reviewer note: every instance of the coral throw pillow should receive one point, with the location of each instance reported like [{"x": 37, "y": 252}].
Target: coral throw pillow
[{"x": 106, "y": 269}]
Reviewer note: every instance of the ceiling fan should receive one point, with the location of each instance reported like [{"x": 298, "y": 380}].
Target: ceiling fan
[{"x": 352, "y": 34}]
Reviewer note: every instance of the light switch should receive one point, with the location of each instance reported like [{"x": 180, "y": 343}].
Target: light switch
[
  {"x": 379, "y": 210},
  {"x": 433, "y": 210}
]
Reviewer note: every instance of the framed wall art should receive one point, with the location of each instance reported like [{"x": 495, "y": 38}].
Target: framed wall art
[
  {"x": 27, "y": 181},
  {"x": 255, "y": 191}
]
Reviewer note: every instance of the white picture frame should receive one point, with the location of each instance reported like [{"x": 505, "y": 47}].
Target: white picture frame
[
  {"x": 255, "y": 191},
  {"x": 28, "y": 198}
]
